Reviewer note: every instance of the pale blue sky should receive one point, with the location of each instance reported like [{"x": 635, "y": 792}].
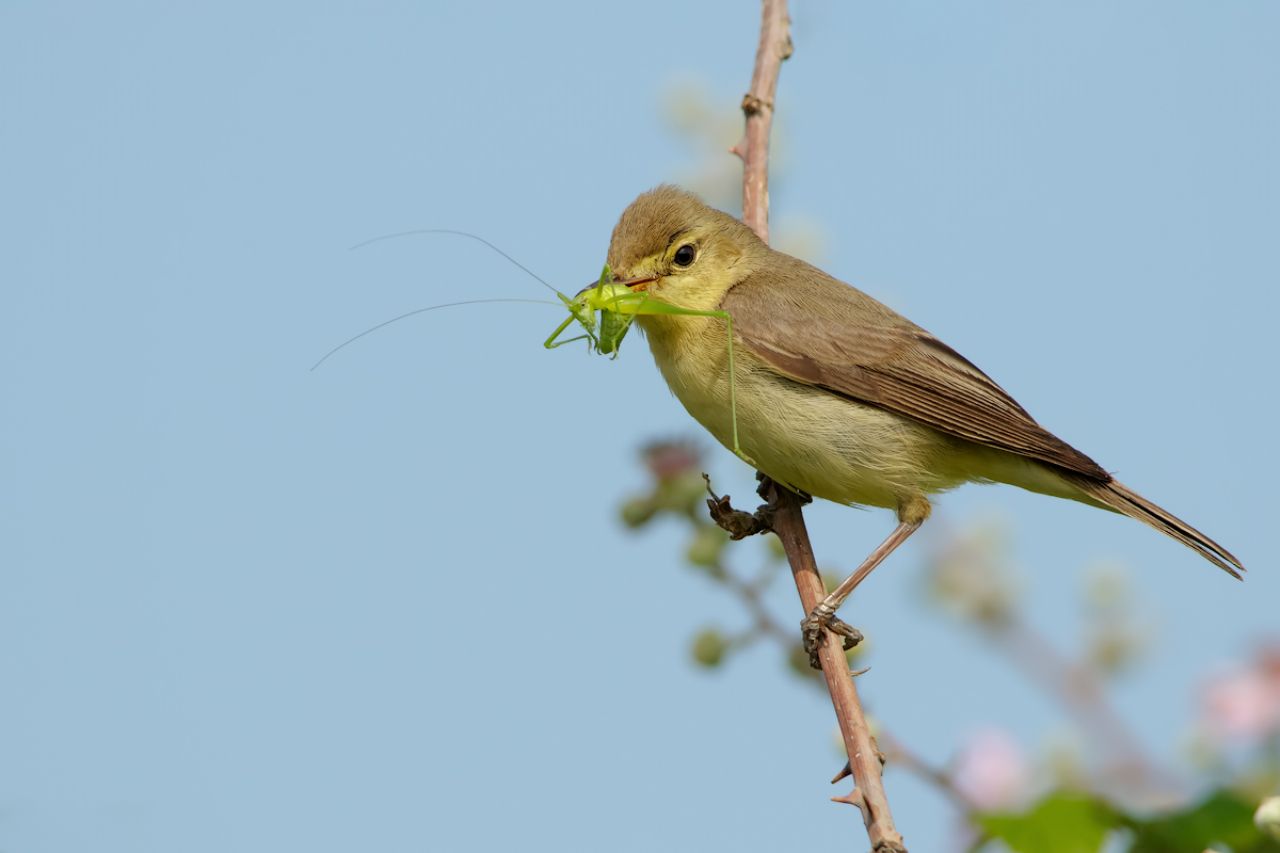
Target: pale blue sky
[{"x": 386, "y": 606}]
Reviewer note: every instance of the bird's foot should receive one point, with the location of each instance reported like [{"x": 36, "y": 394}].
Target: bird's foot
[
  {"x": 737, "y": 523},
  {"x": 823, "y": 617}
]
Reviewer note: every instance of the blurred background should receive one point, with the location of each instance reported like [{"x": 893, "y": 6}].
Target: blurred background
[{"x": 400, "y": 603}]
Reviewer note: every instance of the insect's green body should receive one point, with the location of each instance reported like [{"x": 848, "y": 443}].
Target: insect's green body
[{"x": 616, "y": 306}]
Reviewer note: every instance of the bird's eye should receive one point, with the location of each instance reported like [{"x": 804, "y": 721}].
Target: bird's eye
[{"x": 685, "y": 254}]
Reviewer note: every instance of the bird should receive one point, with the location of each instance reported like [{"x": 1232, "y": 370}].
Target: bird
[{"x": 835, "y": 394}]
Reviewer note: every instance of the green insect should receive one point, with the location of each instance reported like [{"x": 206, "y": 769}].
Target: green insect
[{"x": 605, "y": 311}]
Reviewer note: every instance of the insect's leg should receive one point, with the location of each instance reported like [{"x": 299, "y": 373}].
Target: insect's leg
[
  {"x": 733, "y": 386},
  {"x": 659, "y": 307},
  {"x": 552, "y": 343},
  {"x": 558, "y": 344},
  {"x": 733, "y": 395}
]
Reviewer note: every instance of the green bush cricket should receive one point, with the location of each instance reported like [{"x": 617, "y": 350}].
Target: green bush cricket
[{"x": 606, "y": 311}]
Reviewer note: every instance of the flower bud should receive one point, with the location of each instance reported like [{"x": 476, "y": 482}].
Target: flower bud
[
  {"x": 709, "y": 648},
  {"x": 1267, "y": 817}
]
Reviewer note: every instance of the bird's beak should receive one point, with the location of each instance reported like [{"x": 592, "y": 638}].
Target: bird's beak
[{"x": 637, "y": 284}]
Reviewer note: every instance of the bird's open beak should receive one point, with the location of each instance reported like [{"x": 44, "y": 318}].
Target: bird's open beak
[{"x": 637, "y": 284}]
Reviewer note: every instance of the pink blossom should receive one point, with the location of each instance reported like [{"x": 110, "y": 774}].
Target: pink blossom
[
  {"x": 668, "y": 459},
  {"x": 1244, "y": 704},
  {"x": 992, "y": 771}
]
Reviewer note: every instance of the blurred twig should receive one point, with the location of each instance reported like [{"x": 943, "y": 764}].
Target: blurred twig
[
  {"x": 968, "y": 576},
  {"x": 937, "y": 777},
  {"x": 1079, "y": 690}
]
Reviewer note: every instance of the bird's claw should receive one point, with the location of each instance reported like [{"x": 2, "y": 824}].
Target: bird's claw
[
  {"x": 813, "y": 625},
  {"x": 735, "y": 522}
]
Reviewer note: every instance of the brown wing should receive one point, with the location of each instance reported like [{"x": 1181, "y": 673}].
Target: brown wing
[{"x": 822, "y": 332}]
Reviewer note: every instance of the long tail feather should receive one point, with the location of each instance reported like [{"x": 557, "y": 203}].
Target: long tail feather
[{"x": 1127, "y": 502}]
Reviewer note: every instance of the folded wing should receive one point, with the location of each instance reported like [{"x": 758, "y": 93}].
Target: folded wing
[{"x": 800, "y": 325}]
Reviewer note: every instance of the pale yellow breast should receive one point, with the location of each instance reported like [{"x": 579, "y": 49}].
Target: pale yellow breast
[{"x": 813, "y": 440}]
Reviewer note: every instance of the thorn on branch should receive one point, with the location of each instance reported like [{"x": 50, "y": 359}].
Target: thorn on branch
[
  {"x": 854, "y": 798},
  {"x": 847, "y": 770}
]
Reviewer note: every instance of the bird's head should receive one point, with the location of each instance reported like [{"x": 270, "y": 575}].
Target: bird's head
[{"x": 673, "y": 245}]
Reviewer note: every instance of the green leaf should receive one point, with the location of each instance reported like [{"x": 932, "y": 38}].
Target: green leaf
[
  {"x": 1224, "y": 817},
  {"x": 1063, "y": 822}
]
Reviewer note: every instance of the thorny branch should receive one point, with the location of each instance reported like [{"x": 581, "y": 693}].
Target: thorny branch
[{"x": 786, "y": 519}]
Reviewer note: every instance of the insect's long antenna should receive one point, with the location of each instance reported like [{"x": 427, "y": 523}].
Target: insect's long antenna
[
  {"x": 372, "y": 329},
  {"x": 475, "y": 237}
]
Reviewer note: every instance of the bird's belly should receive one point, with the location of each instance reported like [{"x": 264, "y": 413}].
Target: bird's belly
[{"x": 813, "y": 440}]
